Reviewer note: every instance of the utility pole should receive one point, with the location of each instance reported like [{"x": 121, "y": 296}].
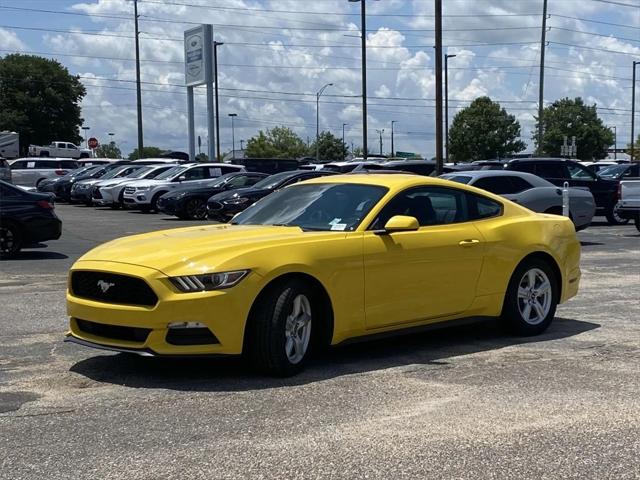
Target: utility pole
[
  {"x": 380, "y": 132},
  {"x": 363, "y": 39},
  {"x": 615, "y": 142},
  {"x": 344, "y": 145},
  {"x": 138, "y": 89},
  {"x": 318, "y": 95},
  {"x": 242, "y": 146},
  {"x": 393, "y": 152},
  {"x": 438, "y": 19},
  {"x": 543, "y": 46},
  {"x": 633, "y": 110},
  {"x": 446, "y": 105},
  {"x": 233, "y": 136},
  {"x": 215, "y": 78}
]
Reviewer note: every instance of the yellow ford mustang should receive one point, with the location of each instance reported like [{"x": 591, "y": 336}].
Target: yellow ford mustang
[{"x": 322, "y": 262}]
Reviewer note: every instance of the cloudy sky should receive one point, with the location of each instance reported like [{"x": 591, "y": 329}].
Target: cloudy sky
[{"x": 278, "y": 53}]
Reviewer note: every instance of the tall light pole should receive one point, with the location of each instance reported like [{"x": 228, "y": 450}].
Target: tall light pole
[
  {"x": 344, "y": 145},
  {"x": 380, "y": 132},
  {"x": 85, "y": 128},
  {"x": 233, "y": 136},
  {"x": 318, "y": 95},
  {"x": 393, "y": 152},
  {"x": 363, "y": 39},
  {"x": 438, "y": 28},
  {"x": 138, "y": 88},
  {"x": 446, "y": 105},
  {"x": 215, "y": 79},
  {"x": 543, "y": 46},
  {"x": 615, "y": 142},
  {"x": 242, "y": 146},
  {"x": 633, "y": 109}
]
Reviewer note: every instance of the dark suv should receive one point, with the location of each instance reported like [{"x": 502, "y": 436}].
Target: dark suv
[{"x": 560, "y": 170}]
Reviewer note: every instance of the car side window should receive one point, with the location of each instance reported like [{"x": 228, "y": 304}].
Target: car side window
[
  {"x": 66, "y": 164},
  {"x": 524, "y": 167},
  {"x": 500, "y": 185},
  {"x": 239, "y": 181},
  {"x": 429, "y": 205},
  {"x": 19, "y": 165},
  {"x": 578, "y": 172},
  {"x": 197, "y": 173},
  {"x": 520, "y": 184},
  {"x": 551, "y": 170},
  {"x": 252, "y": 180},
  {"x": 293, "y": 180},
  {"x": 224, "y": 170},
  {"x": 481, "y": 207}
]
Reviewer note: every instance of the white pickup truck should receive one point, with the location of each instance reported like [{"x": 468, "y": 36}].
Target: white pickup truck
[
  {"x": 629, "y": 205},
  {"x": 59, "y": 149}
]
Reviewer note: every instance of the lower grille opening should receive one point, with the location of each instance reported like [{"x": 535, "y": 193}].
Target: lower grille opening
[
  {"x": 191, "y": 336},
  {"x": 115, "y": 332}
]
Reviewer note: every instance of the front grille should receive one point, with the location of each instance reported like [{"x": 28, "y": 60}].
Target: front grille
[
  {"x": 129, "y": 190},
  {"x": 191, "y": 336},
  {"x": 112, "y": 288},
  {"x": 115, "y": 332}
]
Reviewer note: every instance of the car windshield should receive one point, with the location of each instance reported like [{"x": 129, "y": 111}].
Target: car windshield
[
  {"x": 140, "y": 172},
  {"x": 613, "y": 171},
  {"x": 458, "y": 178},
  {"x": 272, "y": 181},
  {"x": 115, "y": 172},
  {"x": 172, "y": 172},
  {"x": 321, "y": 207},
  {"x": 220, "y": 181},
  {"x": 77, "y": 171}
]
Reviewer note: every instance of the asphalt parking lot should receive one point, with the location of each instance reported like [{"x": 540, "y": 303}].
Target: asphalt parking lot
[{"x": 455, "y": 403}]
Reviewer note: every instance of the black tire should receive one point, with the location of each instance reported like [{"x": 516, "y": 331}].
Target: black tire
[
  {"x": 637, "y": 223},
  {"x": 613, "y": 218},
  {"x": 154, "y": 201},
  {"x": 266, "y": 338},
  {"x": 196, "y": 209},
  {"x": 513, "y": 318},
  {"x": 11, "y": 239},
  {"x": 145, "y": 208}
]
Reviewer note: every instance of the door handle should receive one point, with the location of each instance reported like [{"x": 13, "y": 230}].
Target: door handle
[{"x": 469, "y": 243}]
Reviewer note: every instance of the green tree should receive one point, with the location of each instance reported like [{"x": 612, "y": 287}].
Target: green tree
[
  {"x": 108, "y": 150},
  {"x": 40, "y": 100},
  {"x": 279, "y": 142},
  {"x": 572, "y": 117},
  {"x": 147, "y": 152},
  {"x": 484, "y": 130},
  {"x": 330, "y": 148},
  {"x": 636, "y": 146}
]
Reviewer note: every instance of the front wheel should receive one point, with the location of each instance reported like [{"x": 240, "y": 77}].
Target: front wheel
[
  {"x": 613, "y": 218},
  {"x": 280, "y": 328},
  {"x": 637, "y": 223},
  {"x": 196, "y": 209},
  {"x": 531, "y": 299}
]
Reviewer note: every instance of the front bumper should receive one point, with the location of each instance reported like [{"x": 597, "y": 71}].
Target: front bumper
[
  {"x": 630, "y": 213},
  {"x": 223, "y": 312},
  {"x": 81, "y": 195},
  {"x": 137, "y": 199}
]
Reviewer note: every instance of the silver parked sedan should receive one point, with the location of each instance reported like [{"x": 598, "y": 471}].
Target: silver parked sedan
[{"x": 531, "y": 191}]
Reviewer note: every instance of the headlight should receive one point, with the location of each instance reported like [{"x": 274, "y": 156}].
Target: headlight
[
  {"x": 236, "y": 201},
  {"x": 143, "y": 188},
  {"x": 208, "y": 281}
]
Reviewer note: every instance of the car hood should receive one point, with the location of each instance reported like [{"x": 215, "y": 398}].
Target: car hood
[
  {"x": 92, "y": 181},
  {"x": 241, "y": 192},
  {"x": 201, "y": 249},
  {"x": 112, "y": 181},
  {"x": 201, "y": 191},
  {"x": 146, "y": 183}
]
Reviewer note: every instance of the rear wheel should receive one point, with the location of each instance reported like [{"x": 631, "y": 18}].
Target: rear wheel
[
  {"x": 613, "y": 218},
  {"x": 280, "y": 328},
  {"x": 154, "y": 201},
  {"x": 10, "y": 240},
  {"x": 531, "y": 299},
  {"x": 196, "y": 209}
]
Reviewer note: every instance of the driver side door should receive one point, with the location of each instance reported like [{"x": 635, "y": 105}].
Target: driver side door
[{"x": 424, "y": 274}]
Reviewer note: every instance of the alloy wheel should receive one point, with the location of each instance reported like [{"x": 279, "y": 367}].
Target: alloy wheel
[
  {"x": 196, "y": 209},
  {"x": 298, "y": 329},
  {"x": 535, "y": 296},
  {"x": 7, "y": 240}
]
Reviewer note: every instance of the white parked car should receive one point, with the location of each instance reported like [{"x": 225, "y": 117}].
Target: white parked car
[
  {"x": 29, "y": 172},
  {"x": 143, "y": 194},
  {"x": 82, "y": 191},
  {"x": 59, "y": 149},
  {"x": 110, "y": 192}
]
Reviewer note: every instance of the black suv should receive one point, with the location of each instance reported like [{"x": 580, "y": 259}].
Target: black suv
[{"x": 560, "y": 170}]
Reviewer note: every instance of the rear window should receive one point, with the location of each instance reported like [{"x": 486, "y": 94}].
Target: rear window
[{"x": 68, "y": 164}]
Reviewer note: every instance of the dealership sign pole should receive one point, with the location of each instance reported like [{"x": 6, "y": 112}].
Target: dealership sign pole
[{"x": 198, "y": 45}]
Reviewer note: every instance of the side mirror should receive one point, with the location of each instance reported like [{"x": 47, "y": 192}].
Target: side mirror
[
  {"x": 182, "y": 178},
  {"x": 401, "y": 223}
]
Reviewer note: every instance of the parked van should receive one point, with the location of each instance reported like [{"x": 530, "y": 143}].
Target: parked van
[{"x": 28, "y": 172}]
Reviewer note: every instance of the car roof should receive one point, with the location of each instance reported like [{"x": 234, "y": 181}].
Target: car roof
[
  {"x": 396, "y": 181},
  {"x": 475, "y": 174},
  {"x": 541, "y": 159}
]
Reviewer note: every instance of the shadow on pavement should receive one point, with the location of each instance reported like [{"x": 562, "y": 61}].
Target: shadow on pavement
[
  {"x": 219, "y": 375},
  {"x": 590, "y": 244},
  {"x": 37, "y": 255}
]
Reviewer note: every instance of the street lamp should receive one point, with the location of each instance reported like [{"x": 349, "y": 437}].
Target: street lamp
[
  {"x": 233, "y": 136},
  {"x": 215, "y": 75},
  {"x": 320, "y": 92},
  {"x": 446, "y": 105},
  {"x": 393, "y": 154},
  {"x": 343, "y": 144},
  {"x": 85, "y": 128},
  {"x": 633, "y": 109},
  {"x": 363, "y": 40},
  {"x": 380, "y": 132},
  {"x": 615, "y": 141}
]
